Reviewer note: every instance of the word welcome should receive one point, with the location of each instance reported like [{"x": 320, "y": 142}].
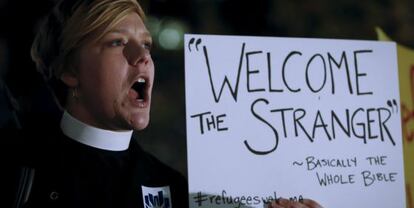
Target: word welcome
[{"x": 319, "y": 64}]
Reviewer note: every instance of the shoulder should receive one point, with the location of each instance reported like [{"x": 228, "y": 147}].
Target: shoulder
[
  {"x": 25, "y": 151},
  {"x": 27, "y": 147}
]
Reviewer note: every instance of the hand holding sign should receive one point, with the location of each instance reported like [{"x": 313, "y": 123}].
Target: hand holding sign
[{"x": 285, "y": 203}]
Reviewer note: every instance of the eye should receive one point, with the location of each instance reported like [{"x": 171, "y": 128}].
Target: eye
[
  {"x": 117, "y": 43},
  {"x": 147, "y": 45}
]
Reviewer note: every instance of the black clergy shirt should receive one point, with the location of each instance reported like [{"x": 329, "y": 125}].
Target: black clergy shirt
[{"x": 70, "y": 174}]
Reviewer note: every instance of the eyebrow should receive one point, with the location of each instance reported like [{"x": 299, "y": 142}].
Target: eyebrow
[{"x": 146, "y": 34}]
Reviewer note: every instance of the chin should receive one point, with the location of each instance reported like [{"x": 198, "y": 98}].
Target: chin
[
  {"x": 140, "y": 127},
  {"x": 139, "y": 123}
]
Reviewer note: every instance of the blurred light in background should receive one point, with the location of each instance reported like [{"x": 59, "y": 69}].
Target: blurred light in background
[
  {"x": 167, "y": 33},
  {"x": 153, "y": 25}
]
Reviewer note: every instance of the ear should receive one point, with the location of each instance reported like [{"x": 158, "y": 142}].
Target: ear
[{"x": 70, "y": 79}]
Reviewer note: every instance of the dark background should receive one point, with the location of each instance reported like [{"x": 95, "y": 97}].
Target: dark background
[{"x": 168, "y": 20}]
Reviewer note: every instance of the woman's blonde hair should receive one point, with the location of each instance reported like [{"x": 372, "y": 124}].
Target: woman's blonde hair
[{"x": 70, "y": 25}]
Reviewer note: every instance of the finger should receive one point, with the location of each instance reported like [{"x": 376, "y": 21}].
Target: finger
[
  {"x": 289, "y": 204},
  {"x": 311, "y": 203},
  {"x": 274, "y": 205},
  {"x": 282, "y": 202},
  {"x": 294, "y": 204}
]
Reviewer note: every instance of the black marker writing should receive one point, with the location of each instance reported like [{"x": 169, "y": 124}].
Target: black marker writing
[
  {"x": 313, "y": 67},
  {"x": 262, "y": 152},
  {"x": 330, "y": 179},
  {"x": 343, "y": 60},
  {"x": 212, "y": 122},
  {"x": 377, "y": 160},
  {"x": 370, "y": 178},
  {"x": 223, "y": 199},
  {"x": 358, "y": 75},
  {"x": 313, "y": 163},
  {"x": 356, "y": 123},
  {"x": 226, "y": 81}
]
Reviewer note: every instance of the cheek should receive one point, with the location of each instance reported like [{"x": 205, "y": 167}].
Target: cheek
[
  {"x": 105, "y": 68},
  {"x": 152, "y": 69},
  {"x": 102, "y": 80},
  {"x": 89, "y": 77}
]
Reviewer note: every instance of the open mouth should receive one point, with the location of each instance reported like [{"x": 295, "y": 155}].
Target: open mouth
[{"x": 140, "y": 88}]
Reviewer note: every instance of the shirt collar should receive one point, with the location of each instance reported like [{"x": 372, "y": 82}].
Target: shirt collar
[{"x": 94, "y": 137}]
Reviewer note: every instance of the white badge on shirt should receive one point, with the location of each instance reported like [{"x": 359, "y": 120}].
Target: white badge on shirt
[{"x": 156, "y": 197}]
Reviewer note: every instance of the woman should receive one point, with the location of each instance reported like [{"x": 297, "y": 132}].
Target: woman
[{"x": 95, "y": 55}]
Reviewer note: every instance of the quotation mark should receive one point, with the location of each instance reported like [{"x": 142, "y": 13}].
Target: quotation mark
[
  {"x": 393, "y": 103},
  {"x": 191, "y": 42}
]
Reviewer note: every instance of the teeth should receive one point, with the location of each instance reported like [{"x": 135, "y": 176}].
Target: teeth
[
  {"x": 140, "y": 86},
  {"x": 141, "y": 80}
]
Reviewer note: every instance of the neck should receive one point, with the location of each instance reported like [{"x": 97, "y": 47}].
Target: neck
[{"x": 93, "y": 136}]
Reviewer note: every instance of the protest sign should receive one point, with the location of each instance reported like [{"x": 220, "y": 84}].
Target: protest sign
[
  {"x": 292, "y": 117},
  {"x": 406, "y": 75}
]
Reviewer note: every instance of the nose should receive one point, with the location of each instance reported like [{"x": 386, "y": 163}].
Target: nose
[{"x": 137, "y": 54}]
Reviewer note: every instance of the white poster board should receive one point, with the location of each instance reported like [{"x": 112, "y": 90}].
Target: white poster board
[{"x": 295, "y": 118}]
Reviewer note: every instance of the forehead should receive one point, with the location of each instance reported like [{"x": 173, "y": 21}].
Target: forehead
[{"x": 132, "y": 23}]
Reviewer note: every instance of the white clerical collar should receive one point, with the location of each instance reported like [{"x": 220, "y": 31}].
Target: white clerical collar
[{"x": 94, "y": 137}]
